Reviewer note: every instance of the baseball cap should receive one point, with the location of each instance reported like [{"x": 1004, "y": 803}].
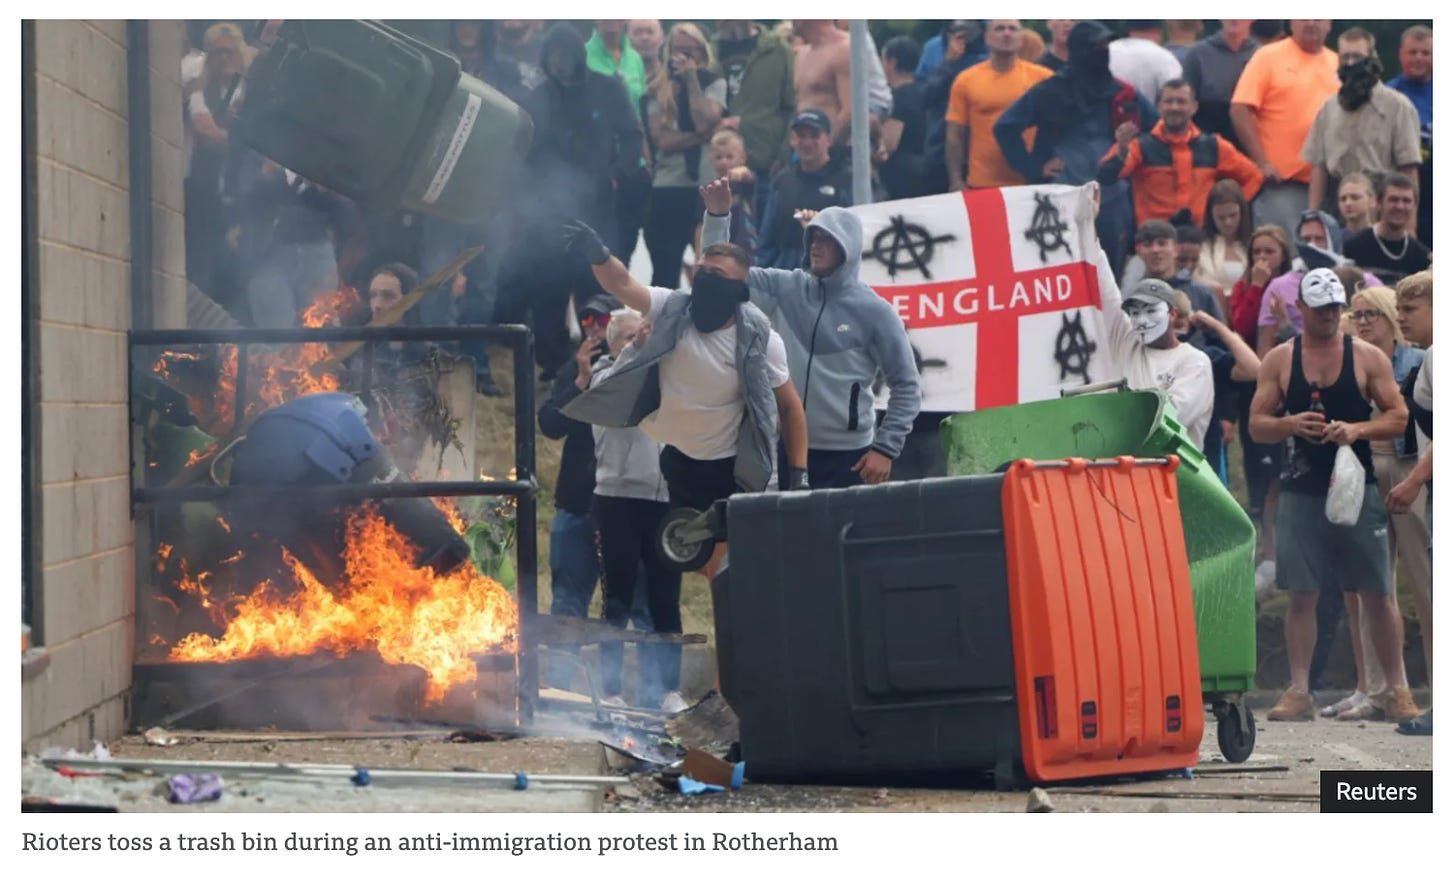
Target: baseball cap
[
  {"x": 1321, "y": 288},
  {"x": 814, "y": 118},
  {"x": 598, "y": 304},
  {"x": 1152, "y": 290}
]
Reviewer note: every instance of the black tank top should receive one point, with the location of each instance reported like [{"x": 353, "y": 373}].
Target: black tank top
[{"x": 1308, "y": 465}]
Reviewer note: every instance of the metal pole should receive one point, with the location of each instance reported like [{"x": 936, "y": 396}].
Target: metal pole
[{"x": 859, "y": 116}]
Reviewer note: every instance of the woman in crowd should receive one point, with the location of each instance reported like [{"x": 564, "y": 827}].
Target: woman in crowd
[
  {"x": 1227, "y": 225},
  {"x": 1373, "y": 313},
  {"x": 1357, "y": 204},
  {"x": 685, "y": 103},
  {"x": 1270, "y": 255},
  {"x": 629, "y": 503}
]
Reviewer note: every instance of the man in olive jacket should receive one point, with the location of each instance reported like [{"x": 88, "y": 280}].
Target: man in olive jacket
[{"x": 759, "y": 68}]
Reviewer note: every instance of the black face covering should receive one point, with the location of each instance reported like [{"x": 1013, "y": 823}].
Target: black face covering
[
  {"x": 1357, "y": 81},
  {"x": 715, "y": 299}
]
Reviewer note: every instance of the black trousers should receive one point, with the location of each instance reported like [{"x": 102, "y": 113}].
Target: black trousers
[
  {"x": 671, "y": 220},
  {"x": 628, "y": 529},
  {"x": 827, "y": 469}
]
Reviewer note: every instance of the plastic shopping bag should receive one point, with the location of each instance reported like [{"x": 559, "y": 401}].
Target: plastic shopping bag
[{"x": 1347, "y": 489}]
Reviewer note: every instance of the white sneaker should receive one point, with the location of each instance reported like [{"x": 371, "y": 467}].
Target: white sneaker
[
  {"x": 673, "y": 702},
  {"x": 613, "y": 701},
  {"x": 1264, "y": 581}
]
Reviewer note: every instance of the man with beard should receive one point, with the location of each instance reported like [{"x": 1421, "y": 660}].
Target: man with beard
[
  {"x": 1414, "y": 82},
  {"x": 1075, "y": 114},
  {"x": 711, "y": 383},
  {"x": 587, "y": 137},
  {"x": 1274, "y": 105},
  {"x": 1367, "y": 127},
  {"x": 1388, "y": 249}
]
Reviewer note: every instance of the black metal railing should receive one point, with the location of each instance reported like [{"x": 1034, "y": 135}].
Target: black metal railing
[{"x": 522, "y": 487}]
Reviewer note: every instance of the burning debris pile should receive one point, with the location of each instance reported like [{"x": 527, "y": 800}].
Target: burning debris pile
[{"x": 297, "y": 577}]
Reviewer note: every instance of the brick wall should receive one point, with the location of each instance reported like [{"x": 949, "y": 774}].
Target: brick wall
[{"x": 87, "y": 567}]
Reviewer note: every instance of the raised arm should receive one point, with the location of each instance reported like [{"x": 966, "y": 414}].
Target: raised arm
[
  {"x": 583, "y": 241},
  {"x": 1246, "y": 362}
]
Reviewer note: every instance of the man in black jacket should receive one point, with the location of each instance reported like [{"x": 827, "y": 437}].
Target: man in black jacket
[{"x": 587, "y": 139}]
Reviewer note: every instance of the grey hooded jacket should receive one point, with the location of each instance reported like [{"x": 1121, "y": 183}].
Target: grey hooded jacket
[
  {"x": 627, "y": 458},
  {"x": 630, "y": 391},
  {"x": 839, "y": 335}
]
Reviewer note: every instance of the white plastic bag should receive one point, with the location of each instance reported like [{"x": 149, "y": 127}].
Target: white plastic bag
[{"x": 1347, "y": 489}]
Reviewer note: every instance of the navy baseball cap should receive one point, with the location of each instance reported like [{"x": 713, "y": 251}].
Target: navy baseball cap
[{"x": 814, "y": 118}]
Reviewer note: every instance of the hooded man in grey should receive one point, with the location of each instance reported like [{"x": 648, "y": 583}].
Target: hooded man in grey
[{"x": 840, "y": 336}]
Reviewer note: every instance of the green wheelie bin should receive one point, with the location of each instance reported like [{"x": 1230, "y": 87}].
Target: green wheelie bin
[{"x": 1219, "y": 534}]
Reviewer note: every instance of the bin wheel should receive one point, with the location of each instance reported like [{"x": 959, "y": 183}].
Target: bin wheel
[
  {"x": 1236, "y": 732},
  {"x": 677, "y": 543}
]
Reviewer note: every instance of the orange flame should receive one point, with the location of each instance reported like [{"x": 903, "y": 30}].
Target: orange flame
[
  {"x": 407, "y": 613},
  {"x": 225, "y": 526},
  {"x": 279, "y": 375}
]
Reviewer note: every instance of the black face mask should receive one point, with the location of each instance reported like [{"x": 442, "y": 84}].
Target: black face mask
[
  {"x": 1357, "y": 81},
  {"x": 715, "y": 299}
]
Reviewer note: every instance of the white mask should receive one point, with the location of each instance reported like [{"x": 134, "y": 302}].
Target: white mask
[{"x": 1149, "y": 319}]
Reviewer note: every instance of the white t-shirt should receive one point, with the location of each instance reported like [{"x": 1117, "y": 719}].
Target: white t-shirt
[
  {"x": 702, "y": 393},
  {"x": 1142, "y": 64},
  {"x": 1184, "y": 372},
  {"x": 1423, "y": 396}
]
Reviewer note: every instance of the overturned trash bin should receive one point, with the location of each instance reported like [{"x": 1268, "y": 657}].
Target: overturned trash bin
[
  {"x": 384, "y": 119},
  {"x": 1218, "y": 533},
  {"x": 1017, "y": 623}
]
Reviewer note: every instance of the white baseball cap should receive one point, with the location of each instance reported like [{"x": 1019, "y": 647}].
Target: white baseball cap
[{"x": 1320, "y": 288}]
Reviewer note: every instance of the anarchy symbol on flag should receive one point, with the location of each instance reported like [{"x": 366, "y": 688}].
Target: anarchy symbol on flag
[{"x": 996, "y": 286}]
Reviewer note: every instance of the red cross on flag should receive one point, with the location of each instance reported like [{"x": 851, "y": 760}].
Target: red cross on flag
[{"x": 997, "y": 288}]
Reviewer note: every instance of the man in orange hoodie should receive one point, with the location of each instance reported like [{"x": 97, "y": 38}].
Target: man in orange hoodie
[{"x": 1174, "y": 166}]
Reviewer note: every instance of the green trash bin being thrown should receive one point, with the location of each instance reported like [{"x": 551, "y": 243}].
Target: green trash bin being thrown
[
  {"x": 1218, "y": 532},
  {"x": 384, "y": 119}
]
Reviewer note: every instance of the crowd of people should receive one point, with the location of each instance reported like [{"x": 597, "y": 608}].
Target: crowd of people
[{"x": 1265, "y": 260}]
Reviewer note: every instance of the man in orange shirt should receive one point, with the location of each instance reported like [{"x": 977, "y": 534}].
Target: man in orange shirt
[
  {"x": 977, "y": 99},
  {"x": 1274, "y": 106},
  {"x": 1174, "y": 166}
]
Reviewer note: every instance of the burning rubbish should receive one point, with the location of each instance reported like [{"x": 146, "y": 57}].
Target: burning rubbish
[{"x": 259, "y": 578}]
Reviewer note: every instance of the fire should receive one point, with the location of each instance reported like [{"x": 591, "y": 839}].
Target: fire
[
  {"x": 277, "y": 374},
  {"x": 451, "y": 513},
  {"x": 404, "y": 611}
]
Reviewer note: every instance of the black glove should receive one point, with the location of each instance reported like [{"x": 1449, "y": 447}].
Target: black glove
[
  {"x": 582, "y": 240},
  {"x": 798, "y": 479}
]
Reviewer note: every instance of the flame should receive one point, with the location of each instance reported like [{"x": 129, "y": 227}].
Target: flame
[
  {"x": 406, "y": 612},
  {"x": 279, "y": 375},
  {"x": 452, "y": 514},
  {"x": 223, "y": 523}
]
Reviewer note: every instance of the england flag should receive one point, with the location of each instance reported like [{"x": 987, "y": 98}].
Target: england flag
[{"x": 998, "y": 289}]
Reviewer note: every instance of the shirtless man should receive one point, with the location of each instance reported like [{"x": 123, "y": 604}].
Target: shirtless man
[{"x": 821, "y": 72}]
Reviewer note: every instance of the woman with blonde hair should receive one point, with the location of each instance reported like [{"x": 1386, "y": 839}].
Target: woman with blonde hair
[
  {"x": 685, "y": 101},
  {"x": 1373, "y": 313}
]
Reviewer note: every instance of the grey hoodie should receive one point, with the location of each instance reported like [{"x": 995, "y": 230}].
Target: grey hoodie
[{"x": 839, "y": 335}]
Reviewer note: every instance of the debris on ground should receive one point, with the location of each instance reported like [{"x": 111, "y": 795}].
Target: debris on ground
[
  {"x": 188, "y": 789},
  {"x": 1038, "y": 802},
  {"x": 160, "y": 737}
]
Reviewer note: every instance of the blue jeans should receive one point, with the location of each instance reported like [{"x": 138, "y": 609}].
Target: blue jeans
[{"x": 287, "y": 281}]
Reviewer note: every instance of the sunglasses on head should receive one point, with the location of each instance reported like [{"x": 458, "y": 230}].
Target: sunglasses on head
[{"x": 595, "y": 319}]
